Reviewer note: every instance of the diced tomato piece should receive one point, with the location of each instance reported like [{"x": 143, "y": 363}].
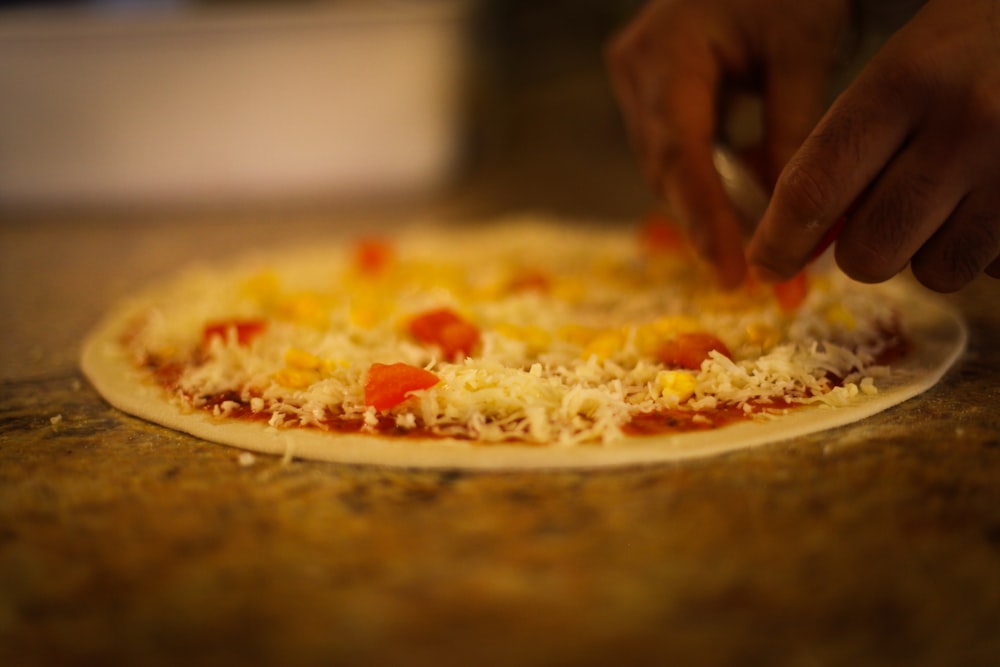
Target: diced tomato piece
[
  {"x": 791, "y": 293},
  {"x": 659, "y": 234},
  {"x": 246, "y": 329},
  {"x": 688, "y": 350},
  {"x": 372, "y": 256},
  {"x": 752, "y": 287},
  {"x": 388, "y": 385},
  {"x": 530, "y": 279},
  {"x": 456, "y": 337}
]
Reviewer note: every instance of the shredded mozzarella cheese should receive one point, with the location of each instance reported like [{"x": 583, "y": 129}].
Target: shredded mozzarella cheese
[{"x": 567, "y": 357}]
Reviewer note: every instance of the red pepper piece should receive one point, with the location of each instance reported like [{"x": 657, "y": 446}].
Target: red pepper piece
[
  {"x": 530, "y": 279},
  {"x": 659, "y": 234},
  {"x": 246, "y": 330},
  {"x": 388, "y": 385},
  {"x": 791, "y": 293},
  {"x": 456, "y": 337},
  {"x": 372, "y": 256},
  {"x": 688, "y": 350}
]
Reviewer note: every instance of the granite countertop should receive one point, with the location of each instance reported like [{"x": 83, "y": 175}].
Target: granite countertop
[{"x": 125, "y": 543}]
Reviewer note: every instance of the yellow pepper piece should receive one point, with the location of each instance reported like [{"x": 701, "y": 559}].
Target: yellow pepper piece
[
  {"x": 571, "y": 290},
  {"x": 295, "y": 378},
  {"x": 370, "y": 306},
  {"x": 364, "y": 316},
  {"x": 297, "y": 358},
  {"x": 536, "y": 338},
  {"x": 762, "y": 334},
  {"x": 837, "y": 314},
  {"x": 671, "y": 325},
  {"x": 309, "y": 308},
  {"x": 676, "y": 383},
  {"x": 577, "y": 333},
  {"x": 328, "y": 366},
  {"x": 264, "y": 287},
  {"x": 604, "y": 345}
]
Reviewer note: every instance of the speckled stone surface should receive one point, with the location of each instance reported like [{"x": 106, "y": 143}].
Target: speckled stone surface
[{"x": 125, "y": 543}]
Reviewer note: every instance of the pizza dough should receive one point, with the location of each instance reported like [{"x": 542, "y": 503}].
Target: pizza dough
[{"x": 936, "y": 337}]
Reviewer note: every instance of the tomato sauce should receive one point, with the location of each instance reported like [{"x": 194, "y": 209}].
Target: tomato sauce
[
  {"x": 683, "y": 421},
  {"x": 665, "y": 422}
]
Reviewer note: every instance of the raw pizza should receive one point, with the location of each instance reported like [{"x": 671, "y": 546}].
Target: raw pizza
[{"x": 520, "y": 343}]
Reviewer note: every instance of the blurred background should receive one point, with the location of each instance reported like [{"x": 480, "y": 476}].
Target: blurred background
[{"x": 132, "y": 104}]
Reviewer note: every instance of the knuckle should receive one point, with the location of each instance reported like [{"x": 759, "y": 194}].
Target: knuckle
[
  {"x": 982, "y": 233},
  {"x": 983, "y": 109},
  {"x": 882, "y": 238},
  {"x": 963, "y": 257},
  {"x": 899, "y": 78},
  {"x": 808, "y": 189},
  {"x": 955, "y": 257},
  {"x": 892, "y": 213}
]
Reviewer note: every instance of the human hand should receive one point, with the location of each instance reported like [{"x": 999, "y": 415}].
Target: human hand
[
  {"x": 670, "y": 68},
  {"x": 915, "y": 140}
]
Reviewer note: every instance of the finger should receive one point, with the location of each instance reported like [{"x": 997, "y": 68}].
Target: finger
[
  {"x": 860, "y": 133},
  {"x": 697, "y": 196},
  {"x": 623, "y": 86},
  {"x": 668, "y": 83},
  {"x": 689, "y": 177},
  {"x": 919, "y": 190},
  {"x": 795, "y": 101},
  {"x": 661, "y": 65},
  {"x": 993, "y": 270},
  {"x": 622, "y": 65},
  {"x": 678, "y": 133},
  {"x": 966, "y": 245},
  {"x": 678, "y": 96}
]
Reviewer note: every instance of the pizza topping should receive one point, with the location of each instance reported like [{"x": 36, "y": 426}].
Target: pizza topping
[
  {"x": 617, "y": 335},
  {"x": 604, "y": 345},
  {"x": 530, "y": 279},
  {"x": 242, "y": 331},
  {"x": 301, "y": 359},
  {"x": 443, "y": 328},
  {"x": 791, "y": 293},
  {"x": 659, "y": 234},
  {"x": 678, "y": 384},
  {"x": 372, "y": 256},
  {"x": 690, "y": 350},
  {"x": 388, "y": 385}
]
